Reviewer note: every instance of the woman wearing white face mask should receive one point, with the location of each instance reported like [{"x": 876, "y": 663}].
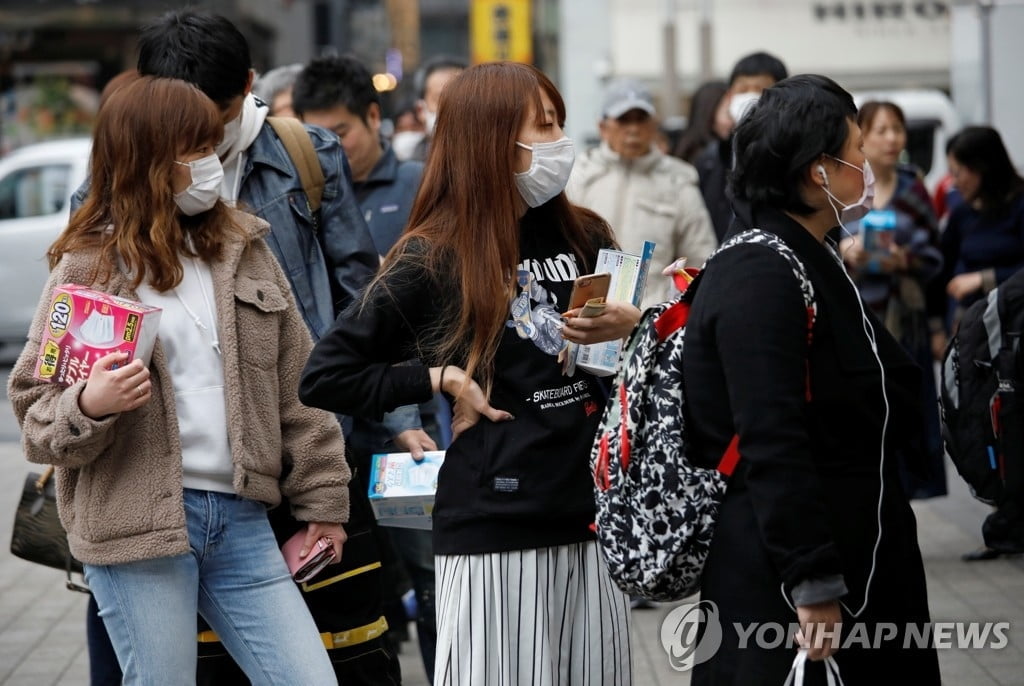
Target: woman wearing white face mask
[
  {"x": 814, "y": 529},
  {"x": 892, "y": 254},
  {"x": 165, "y": 473},
  {"x": 470, "y": 299}
]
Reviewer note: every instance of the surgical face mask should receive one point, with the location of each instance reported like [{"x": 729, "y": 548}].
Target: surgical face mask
[
  {"x": 548, "y": 173},
  {"x": 864, "y": 204},
  {"x": 429, "y": 120},
  {"x": 97, "y": 329},
  {"x": 232, "y": 130},
  {"x": 740, "y": 104},
  {"x": 404, "y": 143},
  {"x": 204, "y": 191}
]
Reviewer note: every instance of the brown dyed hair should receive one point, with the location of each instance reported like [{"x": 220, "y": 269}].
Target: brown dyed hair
[
  {"x": 869, "y": 110},
  {"x": 465, "y": 221},
  {"x": 119, "y": 81},
  {"x": 142, "y": 128}
]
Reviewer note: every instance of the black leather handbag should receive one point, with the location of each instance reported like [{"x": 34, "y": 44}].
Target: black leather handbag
[{"x": 38, "y": 535}]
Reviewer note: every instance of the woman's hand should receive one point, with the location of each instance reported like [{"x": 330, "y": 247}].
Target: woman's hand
[
  {"x": 470, "y": 400},
  {"x": 617, "y": 320},
  {"x": 820, "y": 624},
  {"x": 111, "y": 389},
  {"x": 852, "y": 250},
  {"x": 318, "y": 530},
  {"x": 962, "y": 285}
]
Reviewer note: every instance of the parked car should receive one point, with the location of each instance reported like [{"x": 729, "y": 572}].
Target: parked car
[{"x": 36, "y": 183}]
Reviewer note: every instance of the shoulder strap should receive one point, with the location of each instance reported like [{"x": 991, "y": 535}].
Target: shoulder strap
[
  {"x": 300, "y": 149},
  {"x": 770, "y": 240}
]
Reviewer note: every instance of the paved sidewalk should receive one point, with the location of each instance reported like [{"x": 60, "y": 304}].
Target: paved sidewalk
[{"x": 42, "y": 637}]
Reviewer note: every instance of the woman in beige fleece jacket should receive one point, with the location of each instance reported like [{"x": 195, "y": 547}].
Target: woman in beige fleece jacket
[{"x": 165, "y": 473}]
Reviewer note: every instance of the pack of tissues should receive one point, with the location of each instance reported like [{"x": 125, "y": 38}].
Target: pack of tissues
[{"x": 83, "y": 325}]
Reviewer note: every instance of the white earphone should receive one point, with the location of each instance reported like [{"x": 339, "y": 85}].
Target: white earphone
[{"x": 824, "y": 176}]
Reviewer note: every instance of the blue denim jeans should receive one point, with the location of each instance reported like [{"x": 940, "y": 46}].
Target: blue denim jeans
[{"x": 236, "y": 578}]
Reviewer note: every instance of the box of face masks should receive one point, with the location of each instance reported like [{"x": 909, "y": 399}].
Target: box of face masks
[
  {"x": 402, "y": 490},
  {"x": 83, "y": 325}
]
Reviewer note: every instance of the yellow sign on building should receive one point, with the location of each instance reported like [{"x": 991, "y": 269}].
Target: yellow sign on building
[{"x": 501, "y": 30}]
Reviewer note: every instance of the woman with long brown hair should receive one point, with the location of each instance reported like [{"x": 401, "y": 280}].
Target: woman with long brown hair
[
  {"x": 472, "y": 301},
  {"x": 165, "y": 473}
]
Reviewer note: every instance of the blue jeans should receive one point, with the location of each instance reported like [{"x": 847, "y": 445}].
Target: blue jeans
[{"x": 236, "y": 578}]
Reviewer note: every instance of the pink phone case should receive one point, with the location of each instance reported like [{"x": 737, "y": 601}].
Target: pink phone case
[{"x": 304, "y": 569}]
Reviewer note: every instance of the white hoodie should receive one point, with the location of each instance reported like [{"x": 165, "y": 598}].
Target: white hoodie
[{"x": 188, "y": 336}]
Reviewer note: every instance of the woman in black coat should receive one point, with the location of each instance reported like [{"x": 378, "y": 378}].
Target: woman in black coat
[{"x": 815, "y": 529}]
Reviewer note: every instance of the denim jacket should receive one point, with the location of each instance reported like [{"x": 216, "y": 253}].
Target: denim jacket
[{"x": 327, "y": 259}]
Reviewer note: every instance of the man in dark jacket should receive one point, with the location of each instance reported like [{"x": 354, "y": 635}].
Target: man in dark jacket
[{"x": 751, "y": 75}]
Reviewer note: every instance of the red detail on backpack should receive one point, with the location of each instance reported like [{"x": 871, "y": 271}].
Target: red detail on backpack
[
  {"x": 683, "y": 279},
  {"x": 601, "y": 477},
  {"x": 995, "y": 409},
  {"x": 624, "y": 427},
  {"x": 672, "y": 319},
  {"x": 731, "y": 457}
]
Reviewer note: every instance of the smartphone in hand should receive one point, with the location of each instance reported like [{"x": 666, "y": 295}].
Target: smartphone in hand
[
  {"x": 589, "y": 288},
  {"x": 305, "y": 568}
]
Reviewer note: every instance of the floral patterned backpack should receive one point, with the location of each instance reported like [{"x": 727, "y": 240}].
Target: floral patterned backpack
[{"x": 656, "y": 510}]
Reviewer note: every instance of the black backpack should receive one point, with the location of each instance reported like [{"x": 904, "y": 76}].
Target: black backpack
[{"x": 982, "y": 413}]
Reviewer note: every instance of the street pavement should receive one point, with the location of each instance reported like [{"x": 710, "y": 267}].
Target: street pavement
[{"x": 42, "y": 634}]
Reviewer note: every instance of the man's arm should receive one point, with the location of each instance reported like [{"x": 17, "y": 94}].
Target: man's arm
[{"x": 351, "y": 257}]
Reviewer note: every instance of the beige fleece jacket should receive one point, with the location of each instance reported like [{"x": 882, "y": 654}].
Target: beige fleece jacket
[
  {"x": 119, "y": 478},
  {"x": 652, "y": 198}
]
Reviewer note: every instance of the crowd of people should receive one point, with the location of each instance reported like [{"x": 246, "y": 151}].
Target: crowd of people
[{"x": 417, "y": 299}]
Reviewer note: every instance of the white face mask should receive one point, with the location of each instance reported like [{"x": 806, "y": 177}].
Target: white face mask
[
  {"x": 404, "y": 143},
  {"x": 740, "y": 104},
  {"x": 232, "y": 130},
  {"x": 204, "y": 191},
  {"x": 429, "y": 121},
  {"x": 549, "y": 171},
  {"x": 97, "y": 329},
  {"x": 855, "y": 210}
]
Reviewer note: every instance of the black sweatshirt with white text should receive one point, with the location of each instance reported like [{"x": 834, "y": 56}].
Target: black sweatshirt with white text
[{"x": 510, "y": 485}]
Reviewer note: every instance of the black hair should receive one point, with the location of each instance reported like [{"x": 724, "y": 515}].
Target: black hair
[
  {"x": 981, "y": 149},
  {"x": 950, "y": 142},
  {"x": 437, "y": 63},
  {"x": 328, "y": 82},
  {"x": 790, "y": 127},
  {"x": 199, "y": 47},
  {"x": 699, "y": 127},
  {"x": 758, "y": 63}
]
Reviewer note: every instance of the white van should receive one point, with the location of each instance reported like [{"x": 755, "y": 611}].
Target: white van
[
  {"x": 36, "y": 183},
  {"x": 931, "y": 121}
]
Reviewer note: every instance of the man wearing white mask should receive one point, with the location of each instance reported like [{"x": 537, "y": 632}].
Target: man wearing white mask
[
  {"x": 644, "y": 194},
  {"x": 431, "y": 79},
  {"x": 751, "y": 75}
]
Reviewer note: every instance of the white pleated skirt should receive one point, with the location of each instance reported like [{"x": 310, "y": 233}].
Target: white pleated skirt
[{"x": 544, "y": 617}]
